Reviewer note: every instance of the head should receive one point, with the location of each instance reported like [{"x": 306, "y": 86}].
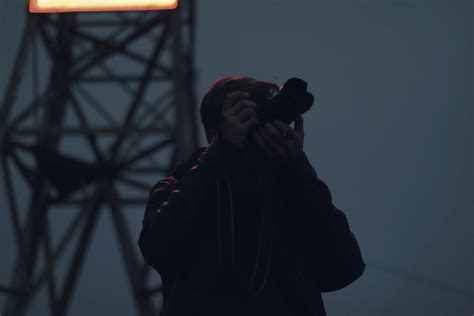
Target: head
[{"x": 211, "y": 105}]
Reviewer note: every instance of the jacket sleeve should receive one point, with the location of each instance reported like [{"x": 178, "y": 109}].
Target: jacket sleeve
[
  {"x": 318, "y": 233},
  {"x": 171, "y": 223}
]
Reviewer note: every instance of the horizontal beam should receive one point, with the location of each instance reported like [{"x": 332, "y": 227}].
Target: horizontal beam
[
  {"x": 87, "y": 130},
  {"x": 107, "y": 79},
  {"x": 11, "y": 290},
  {"x": 131, "y": 201}
]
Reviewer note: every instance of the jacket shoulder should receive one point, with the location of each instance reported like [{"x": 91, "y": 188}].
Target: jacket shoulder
[{"x": 184, "y": 165}]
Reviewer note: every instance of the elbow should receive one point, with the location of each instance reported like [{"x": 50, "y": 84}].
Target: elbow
[
  {"x": 150, "y": 245},
  {"x": 342, "y": 275},
  {"x": 150, "y": 252},
  {"x": 354, "y": 272},
  {"x": 157, "y": 252},
  {"x": 144, "y": 247}
]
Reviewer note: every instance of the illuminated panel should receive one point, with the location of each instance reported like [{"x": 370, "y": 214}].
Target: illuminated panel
[{"x": 51, "y": 6}]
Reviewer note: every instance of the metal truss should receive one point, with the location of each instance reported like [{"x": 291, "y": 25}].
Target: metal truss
[{"x": 98, "y": 107}]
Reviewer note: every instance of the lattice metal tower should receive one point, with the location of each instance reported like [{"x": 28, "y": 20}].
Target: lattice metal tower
[{"x": 98, "y": 107}]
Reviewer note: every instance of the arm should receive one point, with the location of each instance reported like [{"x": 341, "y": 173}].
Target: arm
[
  {"x": 171, "y": 216},
  {"x": 318, "y": 233}
]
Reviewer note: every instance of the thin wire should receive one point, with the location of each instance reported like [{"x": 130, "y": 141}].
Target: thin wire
[
  {"x": 219, "y": 222},
  {"x": 420, "y": 279},
  {"x": 34, "y": 79},
  {"x": 231, "y": 221},
  {"x": 267, "y": 269},
  {"x": 258, "y": 257},
  {"x": 266, "y": 227}
]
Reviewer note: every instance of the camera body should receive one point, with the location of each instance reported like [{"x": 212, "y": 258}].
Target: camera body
[{"x": 287, "y": 104}]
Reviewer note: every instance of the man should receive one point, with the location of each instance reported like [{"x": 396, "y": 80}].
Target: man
[{"x": 245, "y": 226}]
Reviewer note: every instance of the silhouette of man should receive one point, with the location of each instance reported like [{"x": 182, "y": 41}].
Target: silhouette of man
[{"x": 244, "y": 226}]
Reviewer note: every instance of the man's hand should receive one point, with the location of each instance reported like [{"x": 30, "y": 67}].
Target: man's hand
[
  {"x": 271, "y": 139},
  {"x": 238, "y": 117}
]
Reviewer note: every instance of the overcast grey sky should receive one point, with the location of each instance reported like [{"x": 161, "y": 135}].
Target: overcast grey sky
[{"x": 391, "y": 134}]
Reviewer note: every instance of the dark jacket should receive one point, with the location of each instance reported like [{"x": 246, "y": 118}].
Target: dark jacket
[{"x": 185, "y": 235}]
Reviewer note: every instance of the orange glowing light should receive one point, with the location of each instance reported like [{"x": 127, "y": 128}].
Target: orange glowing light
[{"x": 53, "y": 6}]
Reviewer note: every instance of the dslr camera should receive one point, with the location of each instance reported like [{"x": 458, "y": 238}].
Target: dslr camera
[{"x": 286, "y": 104}]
